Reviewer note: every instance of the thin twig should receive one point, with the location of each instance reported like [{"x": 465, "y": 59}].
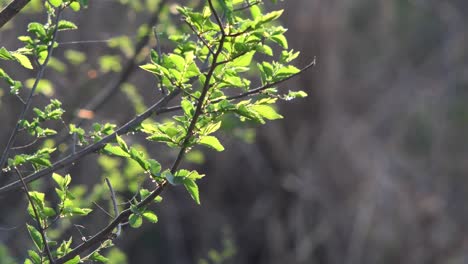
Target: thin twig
[
  {"x": 25, "y": 146},
  {"x": 38, "y": 219},
  {"x": 114, "y": 204},
  {"x": 103, "y": 210},
  {"x": 247, "y": 6},
  {"x": 11, "y": 10},
  {"x": 200, "y": 37},
  {"x": 43, "y": 66},
  {"x": 269, "y": 85}
]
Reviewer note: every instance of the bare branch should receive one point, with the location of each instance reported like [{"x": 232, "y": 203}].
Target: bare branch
[
  {"x": 114, "y": 204},
  {"x": 11, "y": 10}
]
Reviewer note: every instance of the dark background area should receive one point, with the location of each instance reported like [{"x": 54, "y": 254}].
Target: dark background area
[{"x": 370, "y": 168}]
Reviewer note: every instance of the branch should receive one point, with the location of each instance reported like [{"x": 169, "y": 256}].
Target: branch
[
  {"x": 157, "y": 108},
  {"x": 38, "y": 219},
  {"x": 11, "y": 10},
  {"x": 14, "y": 134},
  {"x": 114, "y": 204}
]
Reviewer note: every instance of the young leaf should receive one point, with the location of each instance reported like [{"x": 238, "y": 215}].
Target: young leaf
[
  {"x": 267, "y": 112},
  {"x": 55, "y": 3},
  {"x": 5, "y": 54},
  {"x": 150, "y": 216},
  {"x": 66, "y": 25},
  {"x": 117, "y": 151},
  {"x": 192, "y": 188},
  {"x": 23, "y": 60},
  {"x": 135, "y": 220},
  {"x": 98, "y": 257},
  {"x": 36, "y": 237},
  {"x": 211, "y": 142},
  {"x": 74, "y": 260}
]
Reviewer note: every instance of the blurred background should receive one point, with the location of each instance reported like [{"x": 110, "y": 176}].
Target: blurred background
[{"x": 370, "y": 168}]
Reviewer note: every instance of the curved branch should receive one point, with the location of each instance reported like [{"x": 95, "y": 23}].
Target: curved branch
[
  {"x": 11, "y": 10},
  {"x": 157, "y": 108}
]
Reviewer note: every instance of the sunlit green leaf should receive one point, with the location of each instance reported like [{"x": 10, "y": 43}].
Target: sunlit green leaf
[{"x": 212, "y": 142}]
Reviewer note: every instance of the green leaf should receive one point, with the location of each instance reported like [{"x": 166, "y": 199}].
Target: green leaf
[
  {"x": 174, "y": 60},
  {"x": 36, "y": 237},
  {"x": 192, "y": 188},
  {"x": 56, "y": 3},
  {"x": 267, "y": 112},
  {"x": 75, "y": 6},
  {"x": 59, "y": 179},
  {"x": 66, "y": 25},
  {"x": 41, "y": 161},
  {"x": 285, "y": 72},
  {"x": 256, "y": 12},
  {"x": 74, "y": 260},
  {"x": 293, "y": 95},
  {"x": 211, "y": 142},
  {"x": 23, "y": 60},
  {"x": 34, "y": 256},
  {"x": 244, "y": 60},
  {"x": 150, "y": 216},
  {"x": 154, "y": 167},
  {"x": 121, "y": 143},
  {"x": 116, "y": 151},
  {"x": 271, "y": 16},
  {"x": 280, "y": 40},
  {"x": 135, "y": 220},
  {"x": 211, "y": 128},
  {"x": 188, "y": 107},
  {"x": 38, "y": 29},
  {"x": 5, "y": 54},
  {"x": 172, "y": 179},
  {"x": 98, "y": 257},
  {"x": 80, "y": 211},
  {"x": 144, "y": 193}
]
